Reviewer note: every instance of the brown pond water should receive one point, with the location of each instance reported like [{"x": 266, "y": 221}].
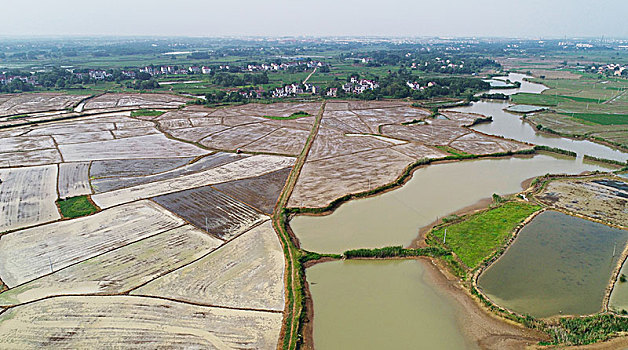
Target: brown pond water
[
  {"x": 559, "y": 264},
  {"x": 366, "y": 304},
  {"x": 395, "y": 217}
]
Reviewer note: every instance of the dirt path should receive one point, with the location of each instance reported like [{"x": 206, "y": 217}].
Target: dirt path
[
  {"x": 292, "y": 277},
  {"x": 308, "y": 77}
]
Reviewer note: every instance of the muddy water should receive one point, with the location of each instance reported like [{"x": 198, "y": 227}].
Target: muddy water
[
  {"x": 559, "y": 264},
  {"x": 395, "y": 217},
  {"x": 511, "y": 126},
  {"x": 381, "y": 305}
]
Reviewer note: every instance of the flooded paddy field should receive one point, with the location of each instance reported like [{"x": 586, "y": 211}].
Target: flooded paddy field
[
  {"x": 558, "y": 265},
  {"x": 395, "y": 217}
]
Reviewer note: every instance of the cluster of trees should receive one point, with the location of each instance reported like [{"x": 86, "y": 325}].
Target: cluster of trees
[
  {"x": 430, "y": 61},
  {"x": 138, "y": 84},
  {"x": 397, "y": 251},
  {"x": 16, "y": 86},
  {"x": 226, "y": 79}
]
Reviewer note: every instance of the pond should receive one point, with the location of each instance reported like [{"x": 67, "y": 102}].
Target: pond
[{"x": 559, "y": 264}]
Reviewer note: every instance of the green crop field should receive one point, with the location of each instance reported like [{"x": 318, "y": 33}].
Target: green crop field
[
  {"x": 76, "y": 206},
  {"x": 480, "y": 234},
  {"x": 601, "y": 118}
]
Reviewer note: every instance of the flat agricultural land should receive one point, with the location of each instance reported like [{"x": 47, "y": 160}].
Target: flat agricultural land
[
  {"x": 34, "y": 252},
  {"x": 362, "y": 145},
  {"x": 585, "y": 105},
  {"x": 17, "y": 104},
  {"x": 119, "y": 270},
  {"x": 605, "y": 199},
  {"x": 27, "y": 196},
  {"x": 180, "y": 251},
  {"x": 124, "y": 322},
  {"x": 246, "y": 273}
]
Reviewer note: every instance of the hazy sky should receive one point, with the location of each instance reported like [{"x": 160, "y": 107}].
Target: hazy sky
[{"x": 509, "y": 18}]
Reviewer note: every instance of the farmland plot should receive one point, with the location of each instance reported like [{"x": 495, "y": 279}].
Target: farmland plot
[
  {"x": 135, "y": 167},
  {"x": 121, "y": 269},
  {"x": 245, "y": 273},
  {"x": 74, "y": 179},
  {"x": 205, "y": 163},
  {"x": 604, "y": 199},
  {"x": 211, "y": 210},
  {"x": 79, "y": 137},
  {"x": 439, "y": 132},
  {"x": 149, "y": 146},
  {"x": 27, "y": 196},
  {"x": 282, "y": 141},
  {"x": 247, "y": 167},
  {"x": 124, "y": 322},
  {"x": 19, "y": 144},
  {"x": 30, "y": 158},
  {"x": 31, "y": 253},
  {"x": 128, "y": 101},
  {"x": 237, "y": 136},
  {"x": 11, "y": 104},
  {"x": 261, "y": 192},
  {"x": 324, "y": 180}
]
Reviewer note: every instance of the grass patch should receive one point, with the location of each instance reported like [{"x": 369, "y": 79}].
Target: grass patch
[
  {"x": 480, "y": 234},
  {"x": 453, "y": 151},
  {"x": 75, "y": 207},
  {"x": 295, "y": 115},
  {"x": 146, "y": 113},
  {"x": 601, "y": 118},
  {"x": 548, "y": 100}
]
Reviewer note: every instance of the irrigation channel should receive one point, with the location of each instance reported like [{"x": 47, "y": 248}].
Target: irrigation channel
[{"x": 395, "y": 304}]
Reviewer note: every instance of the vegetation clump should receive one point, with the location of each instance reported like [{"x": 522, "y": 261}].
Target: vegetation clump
[
  {"x": 295, "y": 115},
  {"x": 396, "y": 251},
  {"x": 75, "y": 207},
  {"x": 554, "y": 149},
  {"x": 146, "y": 113},
  {"x": 588, "y": 330}
]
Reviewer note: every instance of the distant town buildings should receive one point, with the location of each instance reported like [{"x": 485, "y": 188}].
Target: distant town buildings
[{"x": 358, "y": 86}]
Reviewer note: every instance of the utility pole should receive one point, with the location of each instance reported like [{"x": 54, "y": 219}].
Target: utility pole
[
  {"x": 445, "y": 236},
  {"x": 50, "y": 262}
]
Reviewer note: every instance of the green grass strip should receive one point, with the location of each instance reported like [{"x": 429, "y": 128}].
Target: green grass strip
[{"x": 481, "y": 234}]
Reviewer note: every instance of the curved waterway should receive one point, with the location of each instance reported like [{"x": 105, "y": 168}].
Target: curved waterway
[
  {"x": 559, "y": 264},
  {"x": 363, "y": 304},
  {"x": 511, "y": 126},
  {"x": 394, "y": 218}
]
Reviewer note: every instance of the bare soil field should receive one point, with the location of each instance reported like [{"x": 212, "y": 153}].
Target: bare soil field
[
  {"x": 29, "y": 158},
  {"x": 247, "y": 167},
  {"x": 27, "y": 197},
  {"x": 20, "y": 144},
  {"x": 275, "y": 109},
  {"x": 121, "y": 269},
  {"x": 145, "y": 173},
  {"x": 74, "y": 179},
  {"x": 281, "y": 141},
  {"x": 14, "y": 104},
  {"x": 150, "y": 146},
  {"x": 135, "y": 167},
  {"x": 605, "y": 199},
  {"x": 209, "y": 209},
  {"x": 135, "y": 101},
  {"x": 246, "y": 273},
  {"x": 124, "y": 322},
  {"x": 259, "y": 192},
  {"x": 34, "y": 252},
  {"x": 324, "y": 180},
  {"x": 89, "y": 136}
]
